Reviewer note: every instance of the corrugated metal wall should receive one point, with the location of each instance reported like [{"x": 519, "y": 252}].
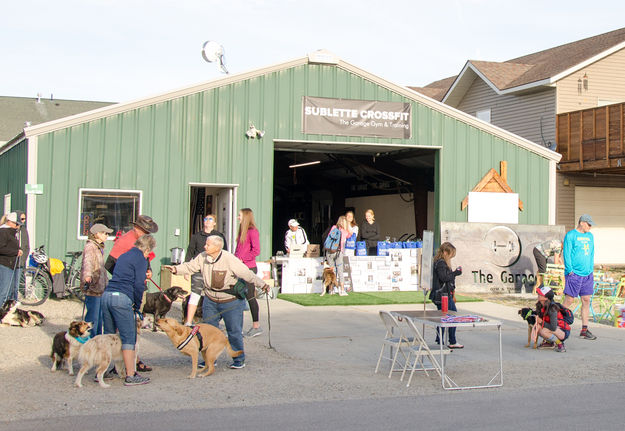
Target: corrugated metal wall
[
  {"x": 161, "y": 148},
  {"x": 13, "y": 176}
]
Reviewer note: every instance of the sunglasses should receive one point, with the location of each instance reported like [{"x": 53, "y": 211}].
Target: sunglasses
[{"x": 209, "y": 219}]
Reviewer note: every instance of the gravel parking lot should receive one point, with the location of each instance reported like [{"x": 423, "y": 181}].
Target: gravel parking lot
[{"x": 320, "y": 353}]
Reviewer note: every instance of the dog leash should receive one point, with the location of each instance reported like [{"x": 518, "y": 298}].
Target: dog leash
[{"x": 154, "y": 283}]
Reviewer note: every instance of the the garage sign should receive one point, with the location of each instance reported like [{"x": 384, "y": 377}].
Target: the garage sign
[{"x": 347, "y": 117}]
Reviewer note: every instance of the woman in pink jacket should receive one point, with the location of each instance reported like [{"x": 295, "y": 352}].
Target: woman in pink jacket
[{"x": 248, "y": 247}]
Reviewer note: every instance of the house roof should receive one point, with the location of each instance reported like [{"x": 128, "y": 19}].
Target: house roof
[
  {"x": 540, "y": 68},
  {"x": 317, "y": 57},
  {"x": 18, "y": 112}
]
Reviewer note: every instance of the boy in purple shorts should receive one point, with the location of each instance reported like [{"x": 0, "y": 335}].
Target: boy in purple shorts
[{"x": 579, "y": 257}]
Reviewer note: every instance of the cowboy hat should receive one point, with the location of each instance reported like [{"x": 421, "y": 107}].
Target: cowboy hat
[{"x": 146, "y": 223}]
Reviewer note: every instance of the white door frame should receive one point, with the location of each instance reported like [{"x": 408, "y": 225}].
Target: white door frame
[{"x": 230, "y": 235}]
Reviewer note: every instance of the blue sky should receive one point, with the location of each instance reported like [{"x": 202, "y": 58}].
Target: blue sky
[{"x": 114, "y": 50}]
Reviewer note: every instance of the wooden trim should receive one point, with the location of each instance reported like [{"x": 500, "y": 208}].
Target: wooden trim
[
  {"x": 621, "y": 121},
  {"x": 568, "y": 137},
  {"x": 581, "y": 139},
  {"x": 607, "y": 131},
  {"x": 503, "y": 168}
]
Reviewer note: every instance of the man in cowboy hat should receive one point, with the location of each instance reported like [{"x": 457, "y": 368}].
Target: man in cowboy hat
[{"x": 143, "y": 225}]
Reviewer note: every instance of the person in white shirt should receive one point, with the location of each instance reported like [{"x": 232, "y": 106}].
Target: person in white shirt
[{"x": 295, "y": 236}]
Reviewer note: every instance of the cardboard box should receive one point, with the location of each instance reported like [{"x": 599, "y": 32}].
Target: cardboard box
[{"x": 168, "y": 280}]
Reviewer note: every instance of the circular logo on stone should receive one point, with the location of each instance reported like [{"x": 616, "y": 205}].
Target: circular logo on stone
[{"x": 504, "y": 246}]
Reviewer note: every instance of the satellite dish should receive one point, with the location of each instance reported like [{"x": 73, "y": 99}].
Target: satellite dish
[{"x": 213, "y": 52}]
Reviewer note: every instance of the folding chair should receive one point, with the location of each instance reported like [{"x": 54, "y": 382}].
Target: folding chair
[
  {"x": 419, "y": 350},
  {"x": 394, "y": 339}
]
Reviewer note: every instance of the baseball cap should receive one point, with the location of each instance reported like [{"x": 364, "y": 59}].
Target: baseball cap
[
  {"x": 293, "y": 223},
  {"x": 543, "y": 290},
  {"x": 587, "y": 219},
  {"x": 99, "y": 227},
  {"x": 14, "y": 218}
]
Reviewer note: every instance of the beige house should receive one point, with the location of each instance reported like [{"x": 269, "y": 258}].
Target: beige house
[{"x": 526, "y": 95}]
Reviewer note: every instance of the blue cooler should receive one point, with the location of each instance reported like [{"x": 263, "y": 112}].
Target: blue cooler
[
  {"x": 382, "y": 248},
  {"x": 419, "y": 244},
  {"x": 361, "y": 248}
]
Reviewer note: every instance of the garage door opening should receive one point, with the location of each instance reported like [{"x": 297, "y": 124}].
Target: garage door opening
[{"x": 316, "y": 183}]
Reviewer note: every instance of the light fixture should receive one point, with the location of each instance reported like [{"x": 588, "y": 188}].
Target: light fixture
[
  {"x": 585, "y": 82},
  {"x": 299, "y": 165},
  {"x": 253, "y": 132},
  {"x": 213, "y": 52}
]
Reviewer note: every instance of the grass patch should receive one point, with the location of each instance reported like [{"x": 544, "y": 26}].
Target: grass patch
[{"x": 363, "y": 298}]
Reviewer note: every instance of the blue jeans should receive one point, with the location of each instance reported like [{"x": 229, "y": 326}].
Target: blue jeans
[
  {"x": 232, "y": 313},
  {"x": 94, "y": 313},
  {"x": 452, "y": 331},
  {"x": 117, "y": 314},
  {"x": 9, "y": 280}
]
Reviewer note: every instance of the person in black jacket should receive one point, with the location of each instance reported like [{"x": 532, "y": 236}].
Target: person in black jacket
[
  {"x": 9, "y": 254},
  {"x": 444, "y": 284},
  {"x": 196, "y": 246},
  {"x": 370, "y": 233}
]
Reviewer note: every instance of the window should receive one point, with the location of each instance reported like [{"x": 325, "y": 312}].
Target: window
[
  {"x": 117, "y": 209},
  {"x": 483, "y": 115}
]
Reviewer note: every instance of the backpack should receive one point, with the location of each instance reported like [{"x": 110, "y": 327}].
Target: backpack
[
  {"x": 567, "y": 315},
  {"x": 333, "y": 240}
]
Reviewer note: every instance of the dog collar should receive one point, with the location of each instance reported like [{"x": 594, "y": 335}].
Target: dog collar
[
  {"x": 83, "y": 339},
  {"x": 529, "y": 313}
]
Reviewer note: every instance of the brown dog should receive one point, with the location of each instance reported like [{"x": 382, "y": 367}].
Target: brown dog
[
  {"x": 329, "y": 281},
  {"x": 212, "y": 343},
  {"x": 66, "y": 345}
]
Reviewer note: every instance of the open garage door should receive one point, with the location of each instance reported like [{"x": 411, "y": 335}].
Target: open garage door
[
  {"x": 606, "y": 205},
  {"x": 315, "y": 182}
]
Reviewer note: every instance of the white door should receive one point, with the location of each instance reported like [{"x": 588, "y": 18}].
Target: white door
[{"x": 606, "y": 206}]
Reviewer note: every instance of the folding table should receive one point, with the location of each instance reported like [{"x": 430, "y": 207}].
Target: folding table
[{"x": 432, "y": 318}]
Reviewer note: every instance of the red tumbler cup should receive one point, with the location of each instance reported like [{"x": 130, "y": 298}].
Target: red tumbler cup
[{"x": 444, "y": 303}]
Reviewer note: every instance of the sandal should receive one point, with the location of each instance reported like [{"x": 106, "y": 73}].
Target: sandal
[
  {"x": 143, "y": 367},
  {"x": 456, "y": 346}
]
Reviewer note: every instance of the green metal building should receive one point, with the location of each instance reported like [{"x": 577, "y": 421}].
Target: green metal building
[{"x": 228, "y": 143}]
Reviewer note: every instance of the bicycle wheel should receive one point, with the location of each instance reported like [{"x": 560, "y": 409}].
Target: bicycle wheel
[
  {"x": 73, "y": 286},
  {"x": 34, "y": 287}
]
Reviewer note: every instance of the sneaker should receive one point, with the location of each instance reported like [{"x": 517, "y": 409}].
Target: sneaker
[
  {"x": 253, "y": 332},
  {"x": 343, "y": 293},
  {"x": 560, "y": 348},
  {"x": 136, "y": 380},
  {"x": 587, "y": 335},
  {"x": 546, "y": 345},
  {"x": 236, "y": 366},
  {"x": 108, "y": 375}
]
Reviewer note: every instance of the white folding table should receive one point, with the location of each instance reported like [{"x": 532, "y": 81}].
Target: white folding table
[{"x": 432, "y": 318}]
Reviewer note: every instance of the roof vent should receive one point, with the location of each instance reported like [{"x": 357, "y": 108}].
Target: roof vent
[{"x": 323, "y": 56}]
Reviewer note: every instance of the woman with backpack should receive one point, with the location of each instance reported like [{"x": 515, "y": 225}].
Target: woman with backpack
[
  {"x": 334, "y": 246},
  {"x": 551, "y": 317},
  {"x": 444, "y": 284}
]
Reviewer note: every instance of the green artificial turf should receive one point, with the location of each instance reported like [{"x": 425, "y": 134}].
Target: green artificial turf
[{"x": 363, "y": 298}]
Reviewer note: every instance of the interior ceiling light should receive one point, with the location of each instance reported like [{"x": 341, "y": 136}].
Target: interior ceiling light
[{"x": 299, "y": 165}]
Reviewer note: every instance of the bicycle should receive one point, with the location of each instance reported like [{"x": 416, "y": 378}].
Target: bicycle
[{"x": 36, "y": 281}]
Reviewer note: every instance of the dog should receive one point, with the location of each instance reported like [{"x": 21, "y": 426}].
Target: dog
[
  {"x": 529, "y": 315},
  {"x": 100, "y": 351},
  {"x": 11, "y": 315},
  {"x": 330, "y": 285},
  {"x": 197, "y": 318},
  {"x": 66, "y": 345},
  {"x": 158, "y": 304},
  {"x": 210, "y": 342}
]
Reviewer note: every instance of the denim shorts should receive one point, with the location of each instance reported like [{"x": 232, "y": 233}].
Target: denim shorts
[{"x": 118, "y": 315}]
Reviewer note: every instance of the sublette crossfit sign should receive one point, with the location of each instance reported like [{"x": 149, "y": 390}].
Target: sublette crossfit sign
[{"x": 348, "y": 117}]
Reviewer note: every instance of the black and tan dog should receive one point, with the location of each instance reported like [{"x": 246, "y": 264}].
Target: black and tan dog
[
  {"x": 529, "y": 315},
  {"x": 330, "y": 284},
  {"x": 66, "y": 345},
  {"x": 11, "y": 315},
  {"x": 208, "y": 340},
  {"x": 158, "y": 304}
]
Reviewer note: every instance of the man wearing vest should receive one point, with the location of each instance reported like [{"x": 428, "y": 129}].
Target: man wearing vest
[
  {"x": 579, "y": 258},
  {"x": 220, "y": 271}
]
